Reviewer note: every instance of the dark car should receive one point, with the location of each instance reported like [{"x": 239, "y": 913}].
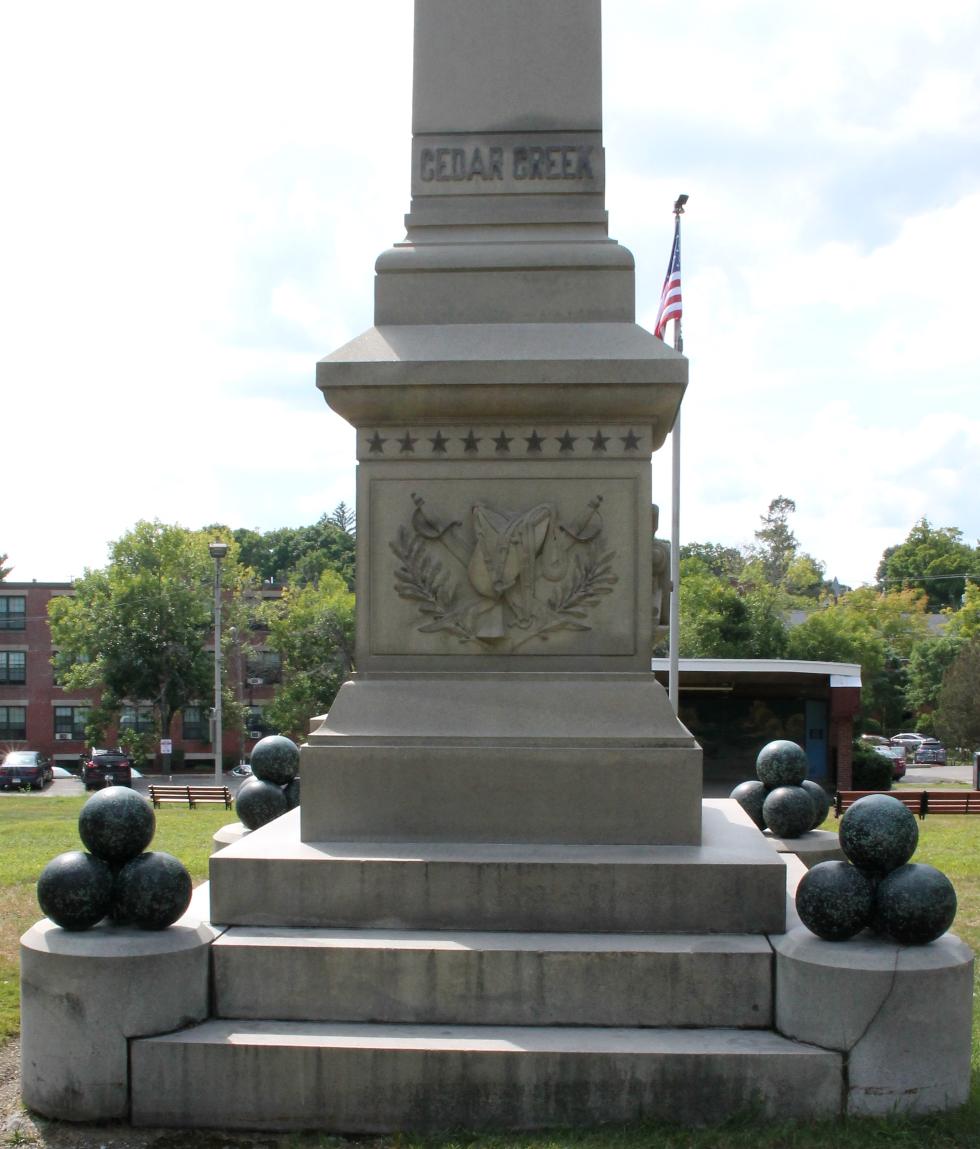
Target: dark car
[
  {"x": 931, "y": 752},
  {"x": 107, "y": 768},
  {"x": 22, "y": 768},
  {"x": 897, "y": 755}
]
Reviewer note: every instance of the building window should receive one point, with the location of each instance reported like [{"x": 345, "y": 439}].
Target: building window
[
  {"x": 197, "y": 728},
  {"x": 13, "y": 666},
  {"x": 265, "y": 665},
  {"x": 69, "y": 723},
  {"x": 13, "y": 723},
  {"x": 255, "y": 725},
  {"x": 139, "y": 719},
  {"x": 13, "y": 612}
]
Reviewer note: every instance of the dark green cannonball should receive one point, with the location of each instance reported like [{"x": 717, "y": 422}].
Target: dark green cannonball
[
  {"x": 878, "y": 833},
  {"x": 275, "y": 759},
  {"x": 291, "y": 790},
  {"x": 820, "y": 799},
  {"x": 75, "y": 890},
  {"x": 258, "y": 802},
  {"x": 914, "y": 904},
  {"x": 116, "y": 824},
  {"x": 788, "y": 811},
  {"x": 151, "y": 891},
  {"x": 750, "y": 795},
  {"x": 835, "y": 900},
  {"x": 781, "y": 763}
]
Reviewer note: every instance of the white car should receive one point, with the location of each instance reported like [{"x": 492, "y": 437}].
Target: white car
[{"x": 912, "y": 740}]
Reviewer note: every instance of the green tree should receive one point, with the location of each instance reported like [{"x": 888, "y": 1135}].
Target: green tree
[
  {"x": 723, "y": 562},
  {"x": 933, "y": 560},
  {"x": 717, "y": 620},
  {"x": 138, "y": 628},
  {"x": 4, "y": 569},
  {"x": 928, "y": 663},
  {"x": 965, "y": 622},
  {"x": 275, "y": 556},
  {"x": 958, "y": 714},
  {"x": 878, "y": 631},
  {"x": 312, "y": 628},
  {"x": 776, "y": 545}
]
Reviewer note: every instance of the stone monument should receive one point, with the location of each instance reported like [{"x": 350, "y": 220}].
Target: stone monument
[{"x": 502, "y": 902}]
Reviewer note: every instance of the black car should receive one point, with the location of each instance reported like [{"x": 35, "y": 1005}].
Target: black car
[
  {"x": 22, "y": 768},
  {"x": 107, "y": 768}
]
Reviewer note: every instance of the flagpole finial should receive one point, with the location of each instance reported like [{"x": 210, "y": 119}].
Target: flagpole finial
[{"x": 679, "y": 204}]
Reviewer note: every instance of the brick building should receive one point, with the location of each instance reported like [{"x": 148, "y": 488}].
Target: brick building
[{"x": 38, "y": 714}]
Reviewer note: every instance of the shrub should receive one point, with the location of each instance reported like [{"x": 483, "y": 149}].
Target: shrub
[{"x": 871, "y": 770}]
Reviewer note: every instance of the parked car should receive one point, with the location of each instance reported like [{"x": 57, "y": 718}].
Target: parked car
[
  {"x": 931, "y": 752},
  {"x": 907, "y": 739},
  {"x": 107, "y": 768},
  {"x": 898, "y": 756},
  {"x": 25, "y": 768}
]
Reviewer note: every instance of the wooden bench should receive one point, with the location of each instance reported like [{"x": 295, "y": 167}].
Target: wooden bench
[
  {"x": 921, "y": 802},
  {"x": 192, "y": 795}
]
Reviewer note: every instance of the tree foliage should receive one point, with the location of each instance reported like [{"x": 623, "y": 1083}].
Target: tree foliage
[
  {"x": 138, "y": 628},
  {"x": 933, "y": 560},
  {"x": 958, "y": 714},
  {"x": 301, "y": 554},
  {"x": 4, "y": 569},
  {"x": 312, "y": 628}
]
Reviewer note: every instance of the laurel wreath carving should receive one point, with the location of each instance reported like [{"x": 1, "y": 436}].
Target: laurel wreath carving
[{"x": 422, "y": 579}]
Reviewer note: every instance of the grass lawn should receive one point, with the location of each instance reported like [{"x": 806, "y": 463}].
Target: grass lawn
[{"x": 34, "y": 829}]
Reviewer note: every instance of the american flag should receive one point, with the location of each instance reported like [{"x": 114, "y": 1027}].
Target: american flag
[{"x": 670, "y": 297}]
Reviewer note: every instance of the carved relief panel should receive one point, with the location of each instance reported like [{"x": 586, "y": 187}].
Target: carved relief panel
[{"x": 520, "y": 566}]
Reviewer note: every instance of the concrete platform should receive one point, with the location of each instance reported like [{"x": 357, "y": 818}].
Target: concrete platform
[
  {"x": 733, "y": 883},
  {"x": 442, "y": 977},
  {"x": 370, "y": 1079}
]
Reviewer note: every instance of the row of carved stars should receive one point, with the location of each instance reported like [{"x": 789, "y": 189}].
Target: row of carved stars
[{"x": 501, "y": 443}]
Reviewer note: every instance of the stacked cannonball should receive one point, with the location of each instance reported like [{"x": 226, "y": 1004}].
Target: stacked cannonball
[
  {"x": 878, "y": 887},
  {"x": 274, "y": 786},
  {"x": 781, "y": 799},
  {"x": 117, "y": 878}
]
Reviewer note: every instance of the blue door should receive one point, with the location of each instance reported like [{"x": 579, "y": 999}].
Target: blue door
[{"x": 816, "y": 739}]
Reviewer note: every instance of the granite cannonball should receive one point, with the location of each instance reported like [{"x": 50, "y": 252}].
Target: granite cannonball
[
  {"x": 258, "y": 802},
  {"x": 788, "y": 811},
  {"x": 151, "y": 891},
  {"x": 835, "y": 900},
  {"x": 275, "y": 759},
  {"x": 820, "y": 799},
  {"x": 291, "y": 790},
  {"x": 878, "y": 833},
  {"x": 75, "y": 890},
  {"x": 781, "y": 763},
  {"x": 750, "y": 795},
  {"x": 914, "y": 904},
  {"x": 116, "y": 824}
]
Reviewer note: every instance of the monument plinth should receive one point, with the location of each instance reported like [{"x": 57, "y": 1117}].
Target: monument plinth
[{"x": 506, "y": 407}]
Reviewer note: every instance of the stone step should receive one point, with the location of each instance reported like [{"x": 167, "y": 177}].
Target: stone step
[
  {"x": 377, "y": 1078},
  {"x": 440, "y": 977},
  {"x": 734, "y": 882}
]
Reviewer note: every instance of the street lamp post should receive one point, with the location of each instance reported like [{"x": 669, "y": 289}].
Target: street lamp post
[{"x": 217, "y": 551}]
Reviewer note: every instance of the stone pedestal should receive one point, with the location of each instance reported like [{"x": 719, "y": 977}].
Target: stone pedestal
[
  {"x": 902, "y": 1015},
  {"x": 85, "y": 995}
]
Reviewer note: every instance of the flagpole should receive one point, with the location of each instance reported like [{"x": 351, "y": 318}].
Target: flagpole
[{"x": 673, "y": 673}]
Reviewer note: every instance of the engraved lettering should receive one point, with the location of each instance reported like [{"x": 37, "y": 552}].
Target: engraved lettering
[
  {"x": 568, "y": 169},
  {"x": 476, "y": 165},
  {"x": 520, "y": 163},
  {"x": 497, "y": 163},
  {"x": 585, "y": 162},
  {"x": 427, "y": 165},
  {"x": 537, "y": 164},
  {"x": 443, "y": 160},
  {"x": 554, "y": 162}
]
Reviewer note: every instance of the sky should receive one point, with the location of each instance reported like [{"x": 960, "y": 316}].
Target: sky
[{"x": 194, "y": 195}]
